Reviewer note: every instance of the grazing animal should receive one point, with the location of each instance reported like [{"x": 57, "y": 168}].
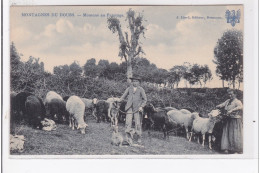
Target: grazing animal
[
  {"x": 102, "y": 110},
  {"x": 56, "y": 107},
  {"x": 205, "y": 125},
  {"x": 167, "y": 109},
  {"x": 76, "y": 108},
  {"x": 56, "y": 110},
  {"x": 117, "y": 138},
  {"x": 18, "y": 106},
  {"x": 90, "y": 105},
  {"x": 52, "y": 95},
  {"x": 156, "y": 117},
  {"x": 183, "y": 118},
  {"x": 35, "y": 111}
]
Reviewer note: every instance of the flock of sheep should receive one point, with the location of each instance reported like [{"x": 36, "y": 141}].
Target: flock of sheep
[{"x": 30, "y": 108}]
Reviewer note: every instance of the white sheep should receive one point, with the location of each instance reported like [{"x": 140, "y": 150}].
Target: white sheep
[
  {"x": 183, "y": 118},
  {"x": 205, "y": 125},
  {"x": 76, "y": 107}
]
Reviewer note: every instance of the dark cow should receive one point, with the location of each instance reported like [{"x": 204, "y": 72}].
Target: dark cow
[
  {"x": 102, "y": 111},
  {"x": 56, "y": 110},
  {"x": 35, "y": 111},
  {"x": 18, "y": 106},
  {"x": 156, "y": 118}
]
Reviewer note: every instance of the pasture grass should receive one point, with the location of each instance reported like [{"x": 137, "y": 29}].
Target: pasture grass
[{"x": 97, "y": 141}]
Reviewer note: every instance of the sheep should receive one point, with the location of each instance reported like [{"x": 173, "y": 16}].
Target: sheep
[
  {"x": 167, "y": 109},
  {"x": 205, "y": 125},
  {"x": 117, "y": 138},
  {"x": 76, "y": 107},
  {"x": 90, "y": 105},
  {"x": 55, "y": 106},
  {"x": 52, "y": 95},
  {"x": 183, "y": 118}
]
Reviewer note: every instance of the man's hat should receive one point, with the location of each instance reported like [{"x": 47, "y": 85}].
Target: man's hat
[{"x": 135, "y": 78}]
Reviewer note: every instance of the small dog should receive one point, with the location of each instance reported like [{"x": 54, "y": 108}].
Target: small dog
[
  {"x": 117, "y": 138},
  {"x": 129, "y": 137}
]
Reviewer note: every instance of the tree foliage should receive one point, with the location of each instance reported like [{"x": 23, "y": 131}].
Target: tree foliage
[
  {"x": 129, "y": 48},
  {"x": 229, "y": 56}
]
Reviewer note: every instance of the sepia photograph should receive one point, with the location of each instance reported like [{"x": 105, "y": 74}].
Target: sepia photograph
[{"x": 126, "y": 80}]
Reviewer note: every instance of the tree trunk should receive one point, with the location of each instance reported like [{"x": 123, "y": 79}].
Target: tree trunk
[
  {"x": 238, "y": 84},
  {"x": 129, "y": 72},
  {"x": 234, "y": 85},
  {"x": 223, "y": 83}
]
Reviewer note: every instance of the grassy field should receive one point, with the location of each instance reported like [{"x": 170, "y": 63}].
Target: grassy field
[{"x": 96, "y": 141}]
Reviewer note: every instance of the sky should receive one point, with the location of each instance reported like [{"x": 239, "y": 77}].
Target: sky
[{"x": 169, "y": 39}]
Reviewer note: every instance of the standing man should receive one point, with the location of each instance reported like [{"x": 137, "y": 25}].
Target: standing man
[{"x": 135, "y": 103}]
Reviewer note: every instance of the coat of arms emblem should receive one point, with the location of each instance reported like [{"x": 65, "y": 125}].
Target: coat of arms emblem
[{"x": 233, "y": 17}]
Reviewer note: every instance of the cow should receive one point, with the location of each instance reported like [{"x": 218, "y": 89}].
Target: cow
[{"x": 35, "y": 111}]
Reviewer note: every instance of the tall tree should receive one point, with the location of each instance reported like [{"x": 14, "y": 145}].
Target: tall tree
[
  {"x": 90, "y": 68},
  {"x": 102, "y": 67},
  {"x": 16, "y": 65},
  {"x": 176, "y": 73},
  {"x": 206, "y": 74},
  {"x": 229, "y": 56},
  {"x": 128, "y": 49}
]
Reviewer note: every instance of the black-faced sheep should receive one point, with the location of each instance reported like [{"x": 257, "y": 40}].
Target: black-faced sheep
[{"x": 76, "y": 108}]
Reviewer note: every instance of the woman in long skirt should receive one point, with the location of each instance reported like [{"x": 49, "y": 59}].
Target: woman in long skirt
[{"x": 232, "y": 136}]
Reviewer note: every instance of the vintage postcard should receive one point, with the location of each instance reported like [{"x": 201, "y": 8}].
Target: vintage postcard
[
  {"x": 130, "y": 78},
  {"x": 122, "y": 81},
  {"x": 117, "y": 81}
]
